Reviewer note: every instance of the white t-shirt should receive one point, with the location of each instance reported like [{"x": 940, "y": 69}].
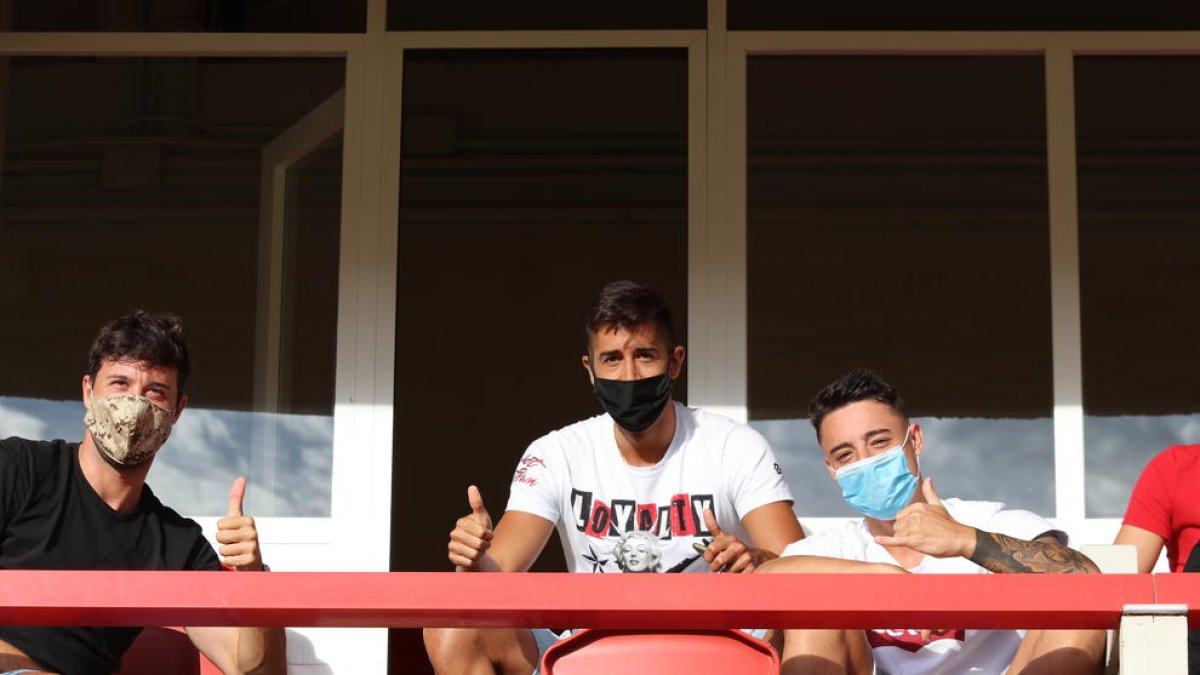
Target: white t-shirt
[
  {"x": 902, "y": 651},
  {"x": 613, "y": 517}
]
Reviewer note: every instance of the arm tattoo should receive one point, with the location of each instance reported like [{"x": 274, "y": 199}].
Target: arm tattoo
[{"x": 1003, "y": 554}]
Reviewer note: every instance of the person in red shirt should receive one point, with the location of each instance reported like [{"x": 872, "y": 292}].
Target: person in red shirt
[{"x": 1165, "y": 509}]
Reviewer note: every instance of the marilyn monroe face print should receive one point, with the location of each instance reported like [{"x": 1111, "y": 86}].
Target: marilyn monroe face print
[{"x": 638, "y": 552}]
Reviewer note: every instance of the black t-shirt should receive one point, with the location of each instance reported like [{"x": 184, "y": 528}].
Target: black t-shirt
[{"x": 52, "y": 519}]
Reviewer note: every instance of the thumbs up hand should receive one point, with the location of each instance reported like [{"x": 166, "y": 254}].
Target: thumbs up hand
[
  {"x": 237, "y": 534},
  {"x": 472, "y": 534},
  {"x": 926, "y": 526},
  {"x": 727, "y": 553}
]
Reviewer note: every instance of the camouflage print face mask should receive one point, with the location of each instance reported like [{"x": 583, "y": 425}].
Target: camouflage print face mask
[{"x": 128, "y": 429}]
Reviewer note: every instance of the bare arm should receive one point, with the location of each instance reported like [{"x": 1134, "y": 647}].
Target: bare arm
[
  {"x": 250, "y": 650},
  {"x": 1002, "y": 554},
  {"x": 811, "y": 564},
  {"x": 930, "y": 529},
  {"x": 519, "y": 539},
  {"x": 772, "y": 527},
  {"x": 1148, "y": 545},
  {"x": 512, "y": 546}
]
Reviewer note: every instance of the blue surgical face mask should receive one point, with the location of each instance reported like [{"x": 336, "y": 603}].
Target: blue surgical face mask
[{"x": 879, "y": 486}]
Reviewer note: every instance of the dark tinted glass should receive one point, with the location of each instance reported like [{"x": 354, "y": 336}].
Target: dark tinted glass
[
  {"x": 545, "y": 15},
  {"x": 1138, "y": 127},
  {"x": 197, "y": 16},
  {"x": 895, "y": 16},
  {"x": 898, "y": 221}
]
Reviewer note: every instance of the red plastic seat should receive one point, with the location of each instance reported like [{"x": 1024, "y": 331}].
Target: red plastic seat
[
  {"x": 604, "y": 652},
  {"x": 165, "y": 650}
]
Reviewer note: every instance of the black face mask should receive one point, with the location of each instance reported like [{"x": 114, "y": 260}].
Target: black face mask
[{"x": 634, "y": 404}]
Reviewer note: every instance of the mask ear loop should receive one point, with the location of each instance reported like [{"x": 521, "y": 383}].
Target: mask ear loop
[{"x": 916, "y": 455}]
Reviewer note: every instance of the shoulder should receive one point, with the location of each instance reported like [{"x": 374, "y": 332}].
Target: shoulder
[
  {"x": 23, "y": 447},
  {"x": 1176, "y": 458},
  {"x": 577, "y": 437},
  {"x": 997, "y": 517},
  {"x": 972, "y": 512},
  {"x": 37, "y": 456},
  {"x": 719, "y": 428},
  {"x": 557, "y": 452}
]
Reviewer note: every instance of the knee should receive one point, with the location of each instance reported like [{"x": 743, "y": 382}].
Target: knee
[
  {"x": 444, "y": 645},
  {"x": 826, "y": 651}
]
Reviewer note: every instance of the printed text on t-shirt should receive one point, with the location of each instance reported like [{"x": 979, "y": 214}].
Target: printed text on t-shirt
[
  {"x": 522, "y": 473},
  {"x": 910, "y": 640},
  {"x": 682, "y": 517}
]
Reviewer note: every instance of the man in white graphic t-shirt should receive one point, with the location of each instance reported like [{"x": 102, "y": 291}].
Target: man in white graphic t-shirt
[
  {"x": 649, "y": 485},
  {"x": 871, "y": 449}
]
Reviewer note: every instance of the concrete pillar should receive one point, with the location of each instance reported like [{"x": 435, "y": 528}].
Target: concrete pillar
[{"x": 1154, "y": 640}]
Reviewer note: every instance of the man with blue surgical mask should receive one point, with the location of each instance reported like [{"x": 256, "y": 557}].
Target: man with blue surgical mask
[{"x": 872, "y": 449}]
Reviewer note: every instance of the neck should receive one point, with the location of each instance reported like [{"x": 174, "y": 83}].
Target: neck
[
  {"x": 120, "y": 489},
  {"x": 648, "y": 446}
]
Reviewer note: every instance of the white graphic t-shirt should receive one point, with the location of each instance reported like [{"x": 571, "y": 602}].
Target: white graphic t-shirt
[
  {"x": 902, "y": 651},
  {"x": 612, "y": 517}
]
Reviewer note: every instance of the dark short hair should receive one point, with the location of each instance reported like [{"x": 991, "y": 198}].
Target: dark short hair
[
  {"x": 156, "y": 339},
  {"x": 625, "y": 304},
  {"x": 854, "y": 386}
]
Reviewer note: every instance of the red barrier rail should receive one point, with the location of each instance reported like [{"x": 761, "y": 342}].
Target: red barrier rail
[
  {"x": 1181, "y": 589},
  {"x": 683, "y": 601}
]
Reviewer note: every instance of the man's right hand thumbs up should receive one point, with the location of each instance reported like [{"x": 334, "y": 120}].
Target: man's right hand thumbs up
[{"x": 472, "y": 534}]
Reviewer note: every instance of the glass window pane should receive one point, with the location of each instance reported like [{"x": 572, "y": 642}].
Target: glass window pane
[
  {"x": 774, "y": 15},
  {"x": 196, "y": 16},
  {"x": 1138, "y": 128},
  {"x": 897, "y": 220},
  {"x": 153, "y": 200},
  {"x": 529, "y": 179},
  {"x": 545, "y": 15}
]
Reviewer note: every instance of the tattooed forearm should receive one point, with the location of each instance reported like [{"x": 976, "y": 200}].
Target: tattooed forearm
[{"x": 1002, "y": 554}]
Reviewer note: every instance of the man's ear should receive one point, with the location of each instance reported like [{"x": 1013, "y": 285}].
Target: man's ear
[
  {"x": 678, "y": 355},
  {"x": 183, "y": 401},
  {"x": 587, "y": 365},
  {"x": 86, "y": 386},
  {"x": 918, "y": 439}
]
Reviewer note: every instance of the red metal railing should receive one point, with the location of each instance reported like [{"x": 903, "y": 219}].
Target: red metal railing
[{"x": 583, "y": 600}]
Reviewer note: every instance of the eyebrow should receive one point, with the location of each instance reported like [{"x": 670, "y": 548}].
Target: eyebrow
[
  {"x": 159, "y": 384},
  {"x": 875, "y": 432},
  {"x": 866, "y": 437}
]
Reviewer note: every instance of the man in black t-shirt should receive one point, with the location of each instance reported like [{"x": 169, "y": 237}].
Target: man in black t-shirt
[{"x": 87, "y": 506}]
